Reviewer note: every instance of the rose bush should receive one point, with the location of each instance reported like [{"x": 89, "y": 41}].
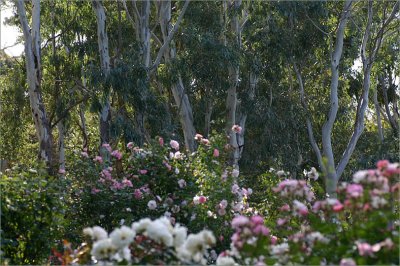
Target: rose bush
[
  {"x": 158, "y": 180},
  {"x": 360, "y": 227}
]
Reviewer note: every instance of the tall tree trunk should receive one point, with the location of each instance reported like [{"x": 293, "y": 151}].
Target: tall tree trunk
[
  {"x": 330, "y": 173},
  {"x": 231, "y": 99},
  {"x": 85, "y": 144},
  {"x": 145, "y": 32},
  {"x": 34, "y": 75},
  {"x": 105, "y": 114},
  {"x": 57, "y": 90},
  {"x": 253, "y": 80},
  {"x": 394, "y": 123},
  {"x": 177, "y": 88}
]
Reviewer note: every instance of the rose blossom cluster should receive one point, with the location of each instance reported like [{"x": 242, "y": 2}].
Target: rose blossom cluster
[
  {"x": 204, "y": 141},
  {"x": 294, "y": 188},
  {"x": 247, "y": 230},
  {"x": 242, "y": 195},
  {"x": 107, "y": 178},
  {"x": 160, "y": 234},
  {"x": 365, "y": 249}
]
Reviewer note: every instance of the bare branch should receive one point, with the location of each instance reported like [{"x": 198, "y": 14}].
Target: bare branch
[
  {"x": 169, "y": 38},
  {"x": 310, "y": 131}
]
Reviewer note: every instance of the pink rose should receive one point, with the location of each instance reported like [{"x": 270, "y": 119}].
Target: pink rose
[
  {"x": 382, "y": 164},
  {"x": 205, "y": 141},
  {"x": 354, "y": 190},
  {"x": 338, "y": 207},
  {"x": 137, "y": 194},
  {"x": 117, "y": 154},
  {"x": 216, "y": 153},
  {"x": 129, "y": 145},
  {"x": 143, "y": 171},
  {"x": 202, "y": 199},
  {"x": 285, "y": 208},
  {"x": 237, "y": 129},
  {"x": 257, "y": 219},
  {"x": 161, "y": 141},
  {"x": 239, "y": 221},
  {"x": 198, "y": 136},
  {"x": 98, "y": 159},
  {"x": 174, "y": 144},
  {"x": 61, "y": 171}
]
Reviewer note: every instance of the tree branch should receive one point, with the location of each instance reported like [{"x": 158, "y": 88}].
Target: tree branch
[
  {"x": 169, "y": 38},
  {"x": 310, "y": 131}
]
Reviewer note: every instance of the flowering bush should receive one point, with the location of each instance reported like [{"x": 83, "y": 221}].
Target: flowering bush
[
  {"x": 159, "y": 180},
  {"x": 361, "y": 226}
]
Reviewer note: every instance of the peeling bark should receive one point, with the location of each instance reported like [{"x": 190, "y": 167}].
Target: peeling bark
[{"x": 34, "y": 75}]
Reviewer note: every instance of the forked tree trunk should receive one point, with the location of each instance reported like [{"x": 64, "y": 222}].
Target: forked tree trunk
[
  {"x": 105, "y": 114},
  {"x": 330, "y": 173},
  {"x": 178, "y": 91},
  {"x": 34, "y": 75}
]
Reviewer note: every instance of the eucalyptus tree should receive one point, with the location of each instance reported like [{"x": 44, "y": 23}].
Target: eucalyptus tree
[
  {"x": 32, "y": 42},
  {"x": 368, "y": 52},
  {"x": 177, "y": 87},
  {"x": 105, "y": 115}
]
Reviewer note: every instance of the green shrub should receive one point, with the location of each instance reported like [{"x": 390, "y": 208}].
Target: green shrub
[{"x": 32, "y": 209}]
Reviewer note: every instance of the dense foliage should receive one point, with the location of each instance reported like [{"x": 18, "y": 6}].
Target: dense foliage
[{"x": 168, "y": 123}]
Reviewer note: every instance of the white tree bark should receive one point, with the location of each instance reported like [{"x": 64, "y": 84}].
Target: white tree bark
[
  {"x": 178, "y": 90},
  {"x": 145, "y": 32},
  {"x": 34, "y": 75},
  {"x": 105, "y": 114},
  {"x": 330, "y": 173},
  {"x": 368, "y": 61}
]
